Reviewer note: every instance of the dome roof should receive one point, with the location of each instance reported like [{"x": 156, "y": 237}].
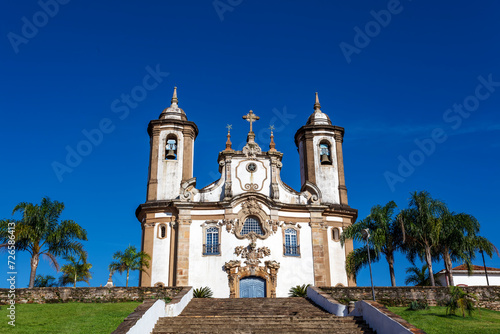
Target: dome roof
[
  {"x": 318, "y": 117},
  {"x": 173, "y": 112}
]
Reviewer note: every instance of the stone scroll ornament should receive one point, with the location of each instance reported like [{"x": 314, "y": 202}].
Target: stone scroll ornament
[
  {"x": 252, "y": 254},
  {"x": 188, "y": 190}
]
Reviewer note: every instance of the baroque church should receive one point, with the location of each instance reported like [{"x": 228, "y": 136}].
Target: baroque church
[{"x": 248, "y": 234}]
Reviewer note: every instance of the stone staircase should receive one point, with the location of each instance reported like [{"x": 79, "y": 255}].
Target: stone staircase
[{"x": 257, "y": 315}]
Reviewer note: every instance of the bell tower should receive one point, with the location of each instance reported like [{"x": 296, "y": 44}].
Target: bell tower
[
  {"x": 321, "y": 160},
  {"x": 171, "y": 155}
]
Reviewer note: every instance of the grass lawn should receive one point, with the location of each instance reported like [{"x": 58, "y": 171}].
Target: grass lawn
[
  {"x": 72, "y": 318},
  {"x": 435, "y": 321}
]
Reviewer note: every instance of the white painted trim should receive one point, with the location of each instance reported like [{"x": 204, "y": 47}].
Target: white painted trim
[
  {"x": 294, "y": 214},
  {"x": 333, "y": 219},
  {"x": 163, "y": 214},
  {"x": 148, "y": 321},
  {"x": 207, "y": 212},
  {"x": 377, "y": 320},
  {"x": 173, "y": 310},
  {"x": 339, "y": 310}
]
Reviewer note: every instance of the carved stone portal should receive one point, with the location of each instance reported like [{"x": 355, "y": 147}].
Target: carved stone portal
[{"x": 235, "y": 272}]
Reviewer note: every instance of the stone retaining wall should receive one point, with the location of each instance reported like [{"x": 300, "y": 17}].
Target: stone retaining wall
[
  {"x": 489, "y": 296},
  {"x": 89, "y": 295}
]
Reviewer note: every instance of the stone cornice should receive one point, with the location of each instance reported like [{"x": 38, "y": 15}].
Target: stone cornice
[
  {"x": 306, "y": 129},
  {"x": 239, "y": 154},
  {"x": 187, "y": 125},
  {"x": 174, "y": 206}
]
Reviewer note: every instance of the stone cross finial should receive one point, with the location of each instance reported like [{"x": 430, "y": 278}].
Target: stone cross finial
[{"x": 251, "y": 117}]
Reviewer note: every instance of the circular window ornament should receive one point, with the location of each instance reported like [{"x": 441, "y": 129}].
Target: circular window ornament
[{"x": 251, "y": 167}]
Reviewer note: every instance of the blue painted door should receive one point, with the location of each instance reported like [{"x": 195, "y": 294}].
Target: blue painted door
[{"x": 252, "y": 287}]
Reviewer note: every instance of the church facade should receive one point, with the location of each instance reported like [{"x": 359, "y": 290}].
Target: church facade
[{"x": 247, "y": 234}]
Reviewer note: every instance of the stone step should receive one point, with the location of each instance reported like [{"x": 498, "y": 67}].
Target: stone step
[
  {"x": 330, "y": 318},
  {"x": 243, "y": 306},
  {"x": 258, "y": 325},
  {"x": 258, "y": 315},
  {"x": 267, "y": 321},
  {"x": 263, "y": 331}
]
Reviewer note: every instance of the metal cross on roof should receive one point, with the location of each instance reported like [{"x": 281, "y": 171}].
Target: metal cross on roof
[
  {"x": 229, "y": 127},
  {"x": 251, "y": 117}
]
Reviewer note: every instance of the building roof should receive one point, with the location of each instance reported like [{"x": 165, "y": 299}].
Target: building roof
[{"x": 477, "y": 269}]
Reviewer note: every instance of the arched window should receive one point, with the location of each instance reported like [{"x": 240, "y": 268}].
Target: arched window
[
  {"x": 212, "y": 245},
  {"x": 162, "y": 231},
  {"x": 171, "y": 148},
  {"x": 335, "y": 234},
  {"x": 325, "y": 153},
  {"x": 291, "y": 244},
  {"x": 252, "y": 225}
]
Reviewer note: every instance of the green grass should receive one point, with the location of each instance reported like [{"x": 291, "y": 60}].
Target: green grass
[
  {"x": 435, "y": 321},
  {"x": 75, "y": 318}
]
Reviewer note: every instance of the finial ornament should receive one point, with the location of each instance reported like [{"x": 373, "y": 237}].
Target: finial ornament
[
  {"x": 317, "y": 106},
  {"x": 228, "y": 142},
  {"x": 272, "y": 144},
  {"x": 174, "y": 97}
]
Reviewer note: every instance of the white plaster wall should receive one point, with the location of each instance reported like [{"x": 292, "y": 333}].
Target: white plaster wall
[
  {"x": 476, "y": 279},
  {"x": 240, "y": 176},
  {"x": 293, "y": 270},
  {"x": 169, "y": 173},
  {"x": 208, "y": 270},
  {"x": 327, "y": 177},
  {"x": 214, "y": 194},
  {"x": 337, "y": 260},
  {"x": 161, "y": 257},
  {"x": 294, "y": 214}
]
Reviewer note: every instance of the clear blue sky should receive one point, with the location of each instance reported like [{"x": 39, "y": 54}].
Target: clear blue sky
[{"x": 67, "y": 72}]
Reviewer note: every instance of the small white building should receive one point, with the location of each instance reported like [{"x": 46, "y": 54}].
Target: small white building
[
  {"x": 478, "y": 277},
  {"x": 247, "y": 234}
]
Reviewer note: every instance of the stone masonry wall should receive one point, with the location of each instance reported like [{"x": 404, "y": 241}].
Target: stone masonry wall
[
  {"x": 89, "y": 295},
  {"x": 488, "y": 296}
]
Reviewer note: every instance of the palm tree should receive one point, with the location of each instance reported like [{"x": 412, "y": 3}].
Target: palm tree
[
  {"x": 386, "y": 238},
  {"x": 204, "y": 292},
  {"x": 459, "y": 299},
  {"x": 76, "y": 270},
  {"x": 419, "y": 276},
  {"x": 45, "y": 281},
  {"x": 481, "y": 245},
  {"x": 457, "y": 233},
  {"x": 422, "y": 227},
  {"x": 298, "y": 291},
  {"x": 129, "y": 260},
  {"x": 41, "y": 234}
]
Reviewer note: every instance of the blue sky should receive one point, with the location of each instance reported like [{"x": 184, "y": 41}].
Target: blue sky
[{"x": 393, "y": 74}]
